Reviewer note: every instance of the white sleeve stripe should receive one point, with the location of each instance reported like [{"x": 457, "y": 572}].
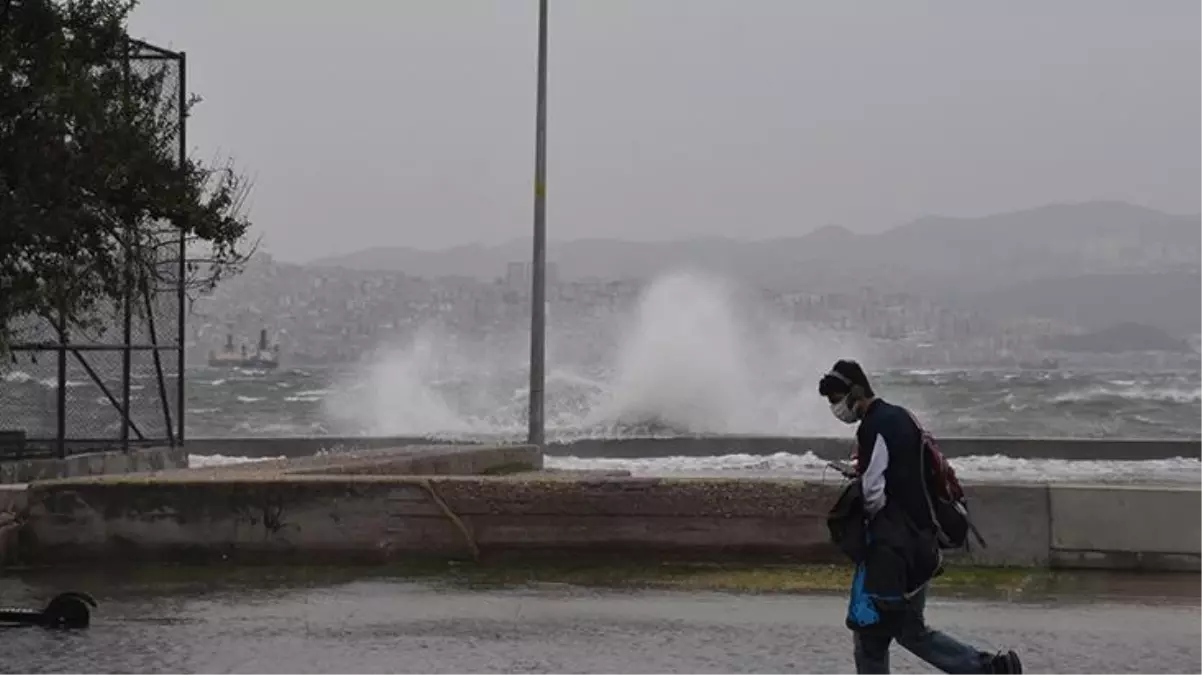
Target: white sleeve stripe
[{"x": 873, "y": 482}]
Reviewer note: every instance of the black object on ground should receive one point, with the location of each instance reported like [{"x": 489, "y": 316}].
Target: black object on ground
[{"x": 72, "y": 609}]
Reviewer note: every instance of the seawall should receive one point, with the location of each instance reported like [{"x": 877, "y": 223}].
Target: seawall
[
  {"x": 476, "y": 501},
  {"x": 137, "y": 460},
  {"x": 254, "y": 517},
  {"x": 707, "y": 446}
]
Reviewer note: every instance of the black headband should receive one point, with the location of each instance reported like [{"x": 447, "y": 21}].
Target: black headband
[
  {"x": 854, "y": 390},
  {"x": 841, "y": 377}
]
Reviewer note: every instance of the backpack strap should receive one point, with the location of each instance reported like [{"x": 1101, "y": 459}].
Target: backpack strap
[
  {"x": 922, "y": 476},
  {"x": 972, "y": 527},
  {"x": 926, "y": 489}
]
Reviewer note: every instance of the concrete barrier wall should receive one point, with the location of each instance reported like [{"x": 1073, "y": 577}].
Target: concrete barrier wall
[
  {"x": 340, "y": 518},
  {"x": 258, "y": 518},
  {"x": 1126, "y": 527},
  {"x": 374, "y": 518},
  {"x": 827, "y": 448},
  {"x": 1015, "y": 522},
  {"x": 94, "y": 463}
]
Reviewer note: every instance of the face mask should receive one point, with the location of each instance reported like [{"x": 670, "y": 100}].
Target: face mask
[{"x": 843, "y": 412}]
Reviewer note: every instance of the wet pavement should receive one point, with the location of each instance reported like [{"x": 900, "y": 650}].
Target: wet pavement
[{"x": 401, "y": 627}]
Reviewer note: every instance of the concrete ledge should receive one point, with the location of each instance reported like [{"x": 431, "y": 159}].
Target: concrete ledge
[
  {"x": 261, "y": 515},
  {"x": 1134, "y": 527},
  {"x": 305, "y": 446},
  {"x": 343, "y": 509},
  {"x": 92, "y": 464},
  {"x": 424, "y": 461},
  {"x": 413, "y": 460},
  {"x": 380, "y": 518}
]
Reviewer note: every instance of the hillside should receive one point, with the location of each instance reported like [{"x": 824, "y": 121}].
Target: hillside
[{"x": 960, "y": 256}]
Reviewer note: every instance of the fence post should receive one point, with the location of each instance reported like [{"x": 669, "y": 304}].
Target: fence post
[
  {"x": 127, "y": 290},
  {"x": 182, "y": 297},
  {"x": 61, "y": 431}
]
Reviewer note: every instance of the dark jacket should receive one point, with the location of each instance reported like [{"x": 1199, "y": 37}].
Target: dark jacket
[
  {"x": 901, "y": 554},
  {"x": 888, "y": 438},
  {"x": 847, "y": 523}
]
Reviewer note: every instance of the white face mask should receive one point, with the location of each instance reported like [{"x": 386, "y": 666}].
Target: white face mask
[{"x": 843, "y": 412}]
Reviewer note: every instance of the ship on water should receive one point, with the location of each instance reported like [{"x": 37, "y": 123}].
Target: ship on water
[{"x": 263, "y": 357}]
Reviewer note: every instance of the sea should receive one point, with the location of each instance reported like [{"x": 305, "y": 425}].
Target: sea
[
  {"x": 689, "y": 360},
  {"x": 395, "y": 399},
  {"x": 955, "y": 402}
]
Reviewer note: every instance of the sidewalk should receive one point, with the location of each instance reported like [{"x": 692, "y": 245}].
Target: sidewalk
[{"x": 402, "y": 626}]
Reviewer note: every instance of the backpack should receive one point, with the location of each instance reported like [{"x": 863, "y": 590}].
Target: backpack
[{"x": 945, "y": 495}]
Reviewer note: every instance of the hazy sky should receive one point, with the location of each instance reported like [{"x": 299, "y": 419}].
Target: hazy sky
[{"x": 411, "y": 122}]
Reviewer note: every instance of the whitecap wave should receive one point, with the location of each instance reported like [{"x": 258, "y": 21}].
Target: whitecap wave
[
  {"x": 203, "y": 461},
  {"x": 1131, "y": 392},
  {"x": 980, "y": 469},
  {"x": 22, "y": 377}
]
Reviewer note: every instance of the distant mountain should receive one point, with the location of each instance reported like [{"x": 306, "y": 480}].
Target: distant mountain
[
  {"x": 1058, "y": 240},
  {"x": 578, "y": 259},
  {"x": 940, "y": 255}
]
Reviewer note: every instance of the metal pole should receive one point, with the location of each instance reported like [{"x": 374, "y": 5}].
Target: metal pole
[
  {"x": 61, "y": 402},
  {"x": 182, "y": 297},
  {"x": 538, "y": 291},
  {"x": 126, "y": 354},
  {"x": 127, "y": 295}
]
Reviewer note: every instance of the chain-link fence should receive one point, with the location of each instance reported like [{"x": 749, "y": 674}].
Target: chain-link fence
[{"x": 121, "y": 384}]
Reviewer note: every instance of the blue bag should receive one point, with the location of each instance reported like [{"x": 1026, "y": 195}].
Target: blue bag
[{"x": 862, "y": 612}]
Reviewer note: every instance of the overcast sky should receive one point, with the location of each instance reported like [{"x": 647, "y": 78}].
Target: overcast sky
[{"x": 373, "y": 123}]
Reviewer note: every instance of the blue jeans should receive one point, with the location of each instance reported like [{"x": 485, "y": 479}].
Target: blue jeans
[{"x": 940, "y": 650}]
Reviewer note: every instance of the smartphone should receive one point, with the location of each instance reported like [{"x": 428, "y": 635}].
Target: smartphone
[{"x": 846, "y": 468}]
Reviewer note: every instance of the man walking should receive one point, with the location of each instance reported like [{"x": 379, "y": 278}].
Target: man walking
[{"x": 902, "y": 553}]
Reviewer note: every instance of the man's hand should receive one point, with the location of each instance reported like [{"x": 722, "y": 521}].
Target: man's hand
[{"x": 847, "y": 470}]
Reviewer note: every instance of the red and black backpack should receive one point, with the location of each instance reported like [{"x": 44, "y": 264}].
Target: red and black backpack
[{"x": 945, "y": 495}]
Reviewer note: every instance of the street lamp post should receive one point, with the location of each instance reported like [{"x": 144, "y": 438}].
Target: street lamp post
[{"x": 538, "y": 275}]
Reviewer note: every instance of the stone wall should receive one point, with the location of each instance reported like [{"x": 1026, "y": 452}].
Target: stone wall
[{"x": 137, "y": 460}]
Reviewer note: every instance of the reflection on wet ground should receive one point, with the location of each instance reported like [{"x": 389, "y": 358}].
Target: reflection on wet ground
[{"x": 397, "y": 626}]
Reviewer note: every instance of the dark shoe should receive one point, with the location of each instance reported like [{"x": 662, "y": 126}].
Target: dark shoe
[{"x": 1006, "y": 662}]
